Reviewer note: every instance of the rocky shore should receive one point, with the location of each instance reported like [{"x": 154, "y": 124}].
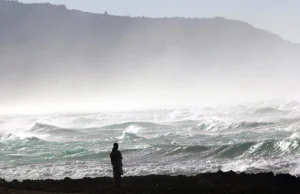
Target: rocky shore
[{"x": 210, "y": 183}]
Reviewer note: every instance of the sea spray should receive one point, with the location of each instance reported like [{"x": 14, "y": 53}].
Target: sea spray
[{"x": 244, "y": 139}]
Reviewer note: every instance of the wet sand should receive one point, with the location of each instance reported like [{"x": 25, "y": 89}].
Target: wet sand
[{"x": 210, "y": 183}]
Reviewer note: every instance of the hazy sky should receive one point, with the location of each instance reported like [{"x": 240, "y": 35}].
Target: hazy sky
[{"x": 278, "y": 16}]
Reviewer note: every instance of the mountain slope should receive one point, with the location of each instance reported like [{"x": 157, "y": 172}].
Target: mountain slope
[{"x": 47, "y": 49}]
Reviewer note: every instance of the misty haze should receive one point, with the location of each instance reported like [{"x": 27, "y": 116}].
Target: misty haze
[
  {"x": 181, "y": 95},
  {"x": 59, "y": 60}
]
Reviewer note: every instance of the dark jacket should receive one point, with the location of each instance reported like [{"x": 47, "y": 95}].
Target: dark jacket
[{"x": 116, "y": 158}]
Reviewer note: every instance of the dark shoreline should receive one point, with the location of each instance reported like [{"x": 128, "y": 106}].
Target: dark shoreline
[{"x": 209, "y": 183}]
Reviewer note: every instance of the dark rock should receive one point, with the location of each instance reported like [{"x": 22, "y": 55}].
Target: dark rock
[{"x": 220, "y": 182}]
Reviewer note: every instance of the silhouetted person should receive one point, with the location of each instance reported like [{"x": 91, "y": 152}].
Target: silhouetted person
[{"x": 116, "y": 161}]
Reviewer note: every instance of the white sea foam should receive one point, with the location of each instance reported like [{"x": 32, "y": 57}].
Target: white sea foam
[{"x": 241, "y": 138}]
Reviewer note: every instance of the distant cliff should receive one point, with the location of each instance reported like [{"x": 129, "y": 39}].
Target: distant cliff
[
  {"x": 54, "y": 31},
  {"x": 50, "y": 44}
]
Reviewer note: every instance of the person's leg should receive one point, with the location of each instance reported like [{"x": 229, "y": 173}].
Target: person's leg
[{"x": 118, "y": 180}]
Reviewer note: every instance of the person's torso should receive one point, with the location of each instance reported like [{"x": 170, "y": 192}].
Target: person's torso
[{"x": 116, "y": 158}]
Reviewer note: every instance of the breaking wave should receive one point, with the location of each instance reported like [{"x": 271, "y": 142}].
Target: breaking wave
[
  {"x": 53, "y": 130},
  {"x": 244, "y": 138}
]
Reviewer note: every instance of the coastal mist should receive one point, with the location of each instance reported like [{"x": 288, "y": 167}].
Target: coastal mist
[
  {"x": 256, "y": 137},
  {"x": 192, "y": 87}
]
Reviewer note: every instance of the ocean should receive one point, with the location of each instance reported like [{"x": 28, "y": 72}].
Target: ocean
[{"x": 251, "y": 138}]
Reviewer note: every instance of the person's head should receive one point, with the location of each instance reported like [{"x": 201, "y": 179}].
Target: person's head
[{"x": 116, "y": 146}]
